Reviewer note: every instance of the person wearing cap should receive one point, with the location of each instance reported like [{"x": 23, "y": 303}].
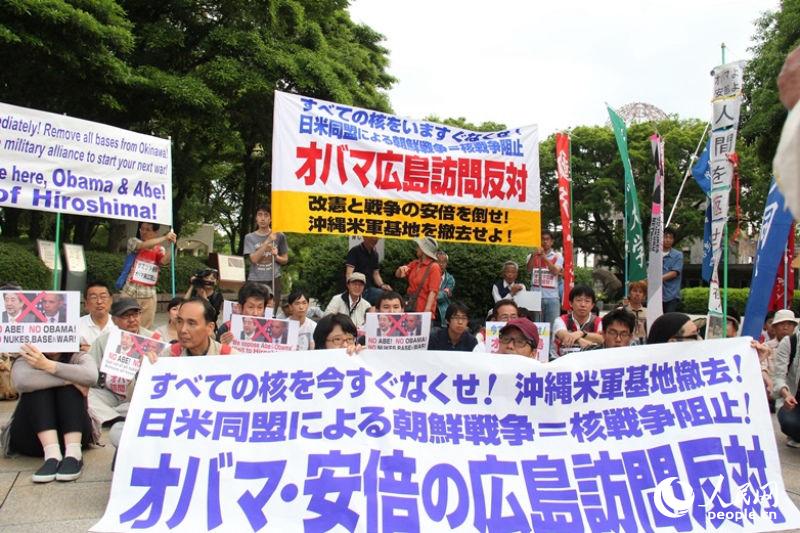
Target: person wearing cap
[
  {"x": 424, "y": 277},
  {"x": 364, "y": 258},
  {"x": 351, "y": 302},
  {"x": 783, "y": 324},
  {"x": 519, "y": 336},
  {"x": 109, "y": 397},
  {"x": 784, "y": 375},
  {"x": 456, "y": 336}
]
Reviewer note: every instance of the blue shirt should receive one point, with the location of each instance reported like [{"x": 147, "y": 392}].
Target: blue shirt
[{"x": 673, "y": 262}]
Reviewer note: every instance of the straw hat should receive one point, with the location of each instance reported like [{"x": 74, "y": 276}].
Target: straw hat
[{"x": 428, "y": 245}]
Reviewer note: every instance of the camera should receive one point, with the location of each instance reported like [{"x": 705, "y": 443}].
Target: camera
[{"x": 198, "y": 280}]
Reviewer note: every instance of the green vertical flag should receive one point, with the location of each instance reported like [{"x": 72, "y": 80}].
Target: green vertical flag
[{"x": 634, "y": 242}]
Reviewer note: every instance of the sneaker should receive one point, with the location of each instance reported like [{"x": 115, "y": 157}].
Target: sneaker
[
  {"x": 791, "y": 443},
  {"x": 70, "y": 469},
  {"x": 47, "y": 472}
]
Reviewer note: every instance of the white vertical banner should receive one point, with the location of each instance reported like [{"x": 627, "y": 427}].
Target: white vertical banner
[{"x": 656, "y": 238}]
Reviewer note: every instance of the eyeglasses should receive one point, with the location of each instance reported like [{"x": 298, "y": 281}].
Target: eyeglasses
[
  {"x": 130, "y": 315},
  {"x": 685, "y": 338},
  {"x": 340, "y": 340},
  {"x": 98, "y": 297},
  {"x": 519, "y": 342},
  {"x": 617, "y": 334}
]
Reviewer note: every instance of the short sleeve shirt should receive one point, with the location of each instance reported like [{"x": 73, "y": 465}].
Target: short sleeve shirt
[
  {"x": 263, "y": 271},
  {"x": 673, "y": 262},
  {"x": 544, "y": 280},
  {"x": 364, "y": 261},
  {"x": 416, "y": 271}
]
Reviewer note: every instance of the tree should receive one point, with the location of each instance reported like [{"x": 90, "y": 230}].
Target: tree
[
  {"x": 777, "y": 33},
  {"x": 597, "y": 181}
]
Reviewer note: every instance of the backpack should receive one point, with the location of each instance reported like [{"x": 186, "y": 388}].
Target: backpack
[{"x": 126, "y": 270}]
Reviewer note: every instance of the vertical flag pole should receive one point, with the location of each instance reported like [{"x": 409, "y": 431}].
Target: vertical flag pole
[
  {"x": 56, "y": 255},
  {"x": 724, "y": 261},
  {"x": 172, "y": 257}
]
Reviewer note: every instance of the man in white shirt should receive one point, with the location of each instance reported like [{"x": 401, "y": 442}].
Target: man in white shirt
[
  {"x": 97, "y": 301},
  {"x": 545, "y": 266}
]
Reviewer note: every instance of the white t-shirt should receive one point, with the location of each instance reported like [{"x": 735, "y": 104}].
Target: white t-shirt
[
  {"x": 89, "y": 331},
  {"x": 305, "y": 335}
]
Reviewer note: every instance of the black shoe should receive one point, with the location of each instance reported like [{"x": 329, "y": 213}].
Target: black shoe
[
  {"x": 70, "y": 469},
  {"x": 47, "y": 472}
]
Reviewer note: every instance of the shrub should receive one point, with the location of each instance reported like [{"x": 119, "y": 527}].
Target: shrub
[
  {"x": 20, "y": 263},
  {"x": 694, "y": 300}
]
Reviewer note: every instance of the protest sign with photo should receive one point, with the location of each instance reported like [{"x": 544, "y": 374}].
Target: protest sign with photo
[
  {"x": 260, "y": 335},
  {"x": 62, "y": 164},
  {"x": 124, "y": 353},
  {"x": 400, "y": 331},
  {"x": 669, "y": 437},
  {"x": 46, "y": 319},
  {"x": 342, "y": 170},
  {"x": 231, "y": 307},
  {"x": 542, "y": 351}
]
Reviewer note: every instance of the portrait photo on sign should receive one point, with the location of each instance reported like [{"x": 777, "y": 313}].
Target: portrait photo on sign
[
  {"x": 256, "y": 334},
  {"x": 408, "y": 331},
  {"x": 124, "y": 353},
  {"x": 48, "y": 319}
]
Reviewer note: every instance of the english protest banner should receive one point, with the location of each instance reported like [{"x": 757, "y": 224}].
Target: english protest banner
[
  {"x": 46, "y": 319},
  {"x": 125, "y": 351},
  {"x": 670, "y": 437},
  {"x": 262, "y": 335},
  {"x": 343, "y": 170},
  {"x": 56, "y": 163}
]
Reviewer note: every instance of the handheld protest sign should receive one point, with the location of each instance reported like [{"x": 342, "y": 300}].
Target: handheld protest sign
[
  {"x": 47, "y": 319},
  {"x": 398, "y": 331},
  {"x": 125, "y": 351},
  {"x": 263, "y": 335}
]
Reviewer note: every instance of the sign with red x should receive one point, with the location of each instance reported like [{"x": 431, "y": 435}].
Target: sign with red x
[
  {"x": 262, "y": 335},
  {"x": 401, "y": 331},
  {"x": 123, "y": 356},
  {"x": 46, "y": 319}
]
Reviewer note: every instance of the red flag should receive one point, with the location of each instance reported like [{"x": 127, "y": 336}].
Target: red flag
[
  {"x": 565, "y": 202},
  {"x": 785, "y": 266}
]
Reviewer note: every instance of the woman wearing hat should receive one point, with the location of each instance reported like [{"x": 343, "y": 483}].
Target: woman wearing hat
[{"x": 424, "y": 277}]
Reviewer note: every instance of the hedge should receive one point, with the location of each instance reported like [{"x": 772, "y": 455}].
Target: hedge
[
  {"x": 106, "y": 266},
  {"x": 694, "y": 300},
  {"x": 20, "y": 263}
]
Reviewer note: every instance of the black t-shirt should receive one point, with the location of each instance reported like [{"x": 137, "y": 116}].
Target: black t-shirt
[
  {"x": 364, "y": 261},
  {"x": 440, "y": 340}
]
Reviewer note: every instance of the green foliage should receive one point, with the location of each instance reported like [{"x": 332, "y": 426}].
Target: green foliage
[
  {"x": 695, "y": 300},
  {"x": 106, "y": 266},
  {"x": 20, "y": 263},
  {"x": 777, "y": 33},
  {"x": 317, "y": 264}
]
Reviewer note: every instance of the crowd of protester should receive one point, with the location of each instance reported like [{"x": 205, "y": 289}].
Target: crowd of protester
[{"x": 65, "y": 400}]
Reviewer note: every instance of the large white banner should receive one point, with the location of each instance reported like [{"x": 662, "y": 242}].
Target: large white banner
[
  {"x": 343, "y": 170},
  {"x": 52, "y": 162},
  {"x": 671, "y": 437}
]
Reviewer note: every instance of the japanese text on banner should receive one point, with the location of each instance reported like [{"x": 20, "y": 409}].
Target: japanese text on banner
[{"x": 643, "y": 438}]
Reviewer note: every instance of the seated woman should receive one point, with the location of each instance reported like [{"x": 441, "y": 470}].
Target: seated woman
[
  {"x": 337, "y": 331},
  {"x": 169, "y": 331},
  {"x": 52, "y": 409}
]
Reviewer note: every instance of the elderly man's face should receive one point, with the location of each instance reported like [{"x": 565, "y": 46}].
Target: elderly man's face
[
  {"x": 510, "y": 273},
  {"x": 193, "y": 329},
  {"x": 506, "y": 313},
  {"x": 355, "y": 288},
  {"x": 13, "y": 303},
  {"x": 129, "y": 321}
]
